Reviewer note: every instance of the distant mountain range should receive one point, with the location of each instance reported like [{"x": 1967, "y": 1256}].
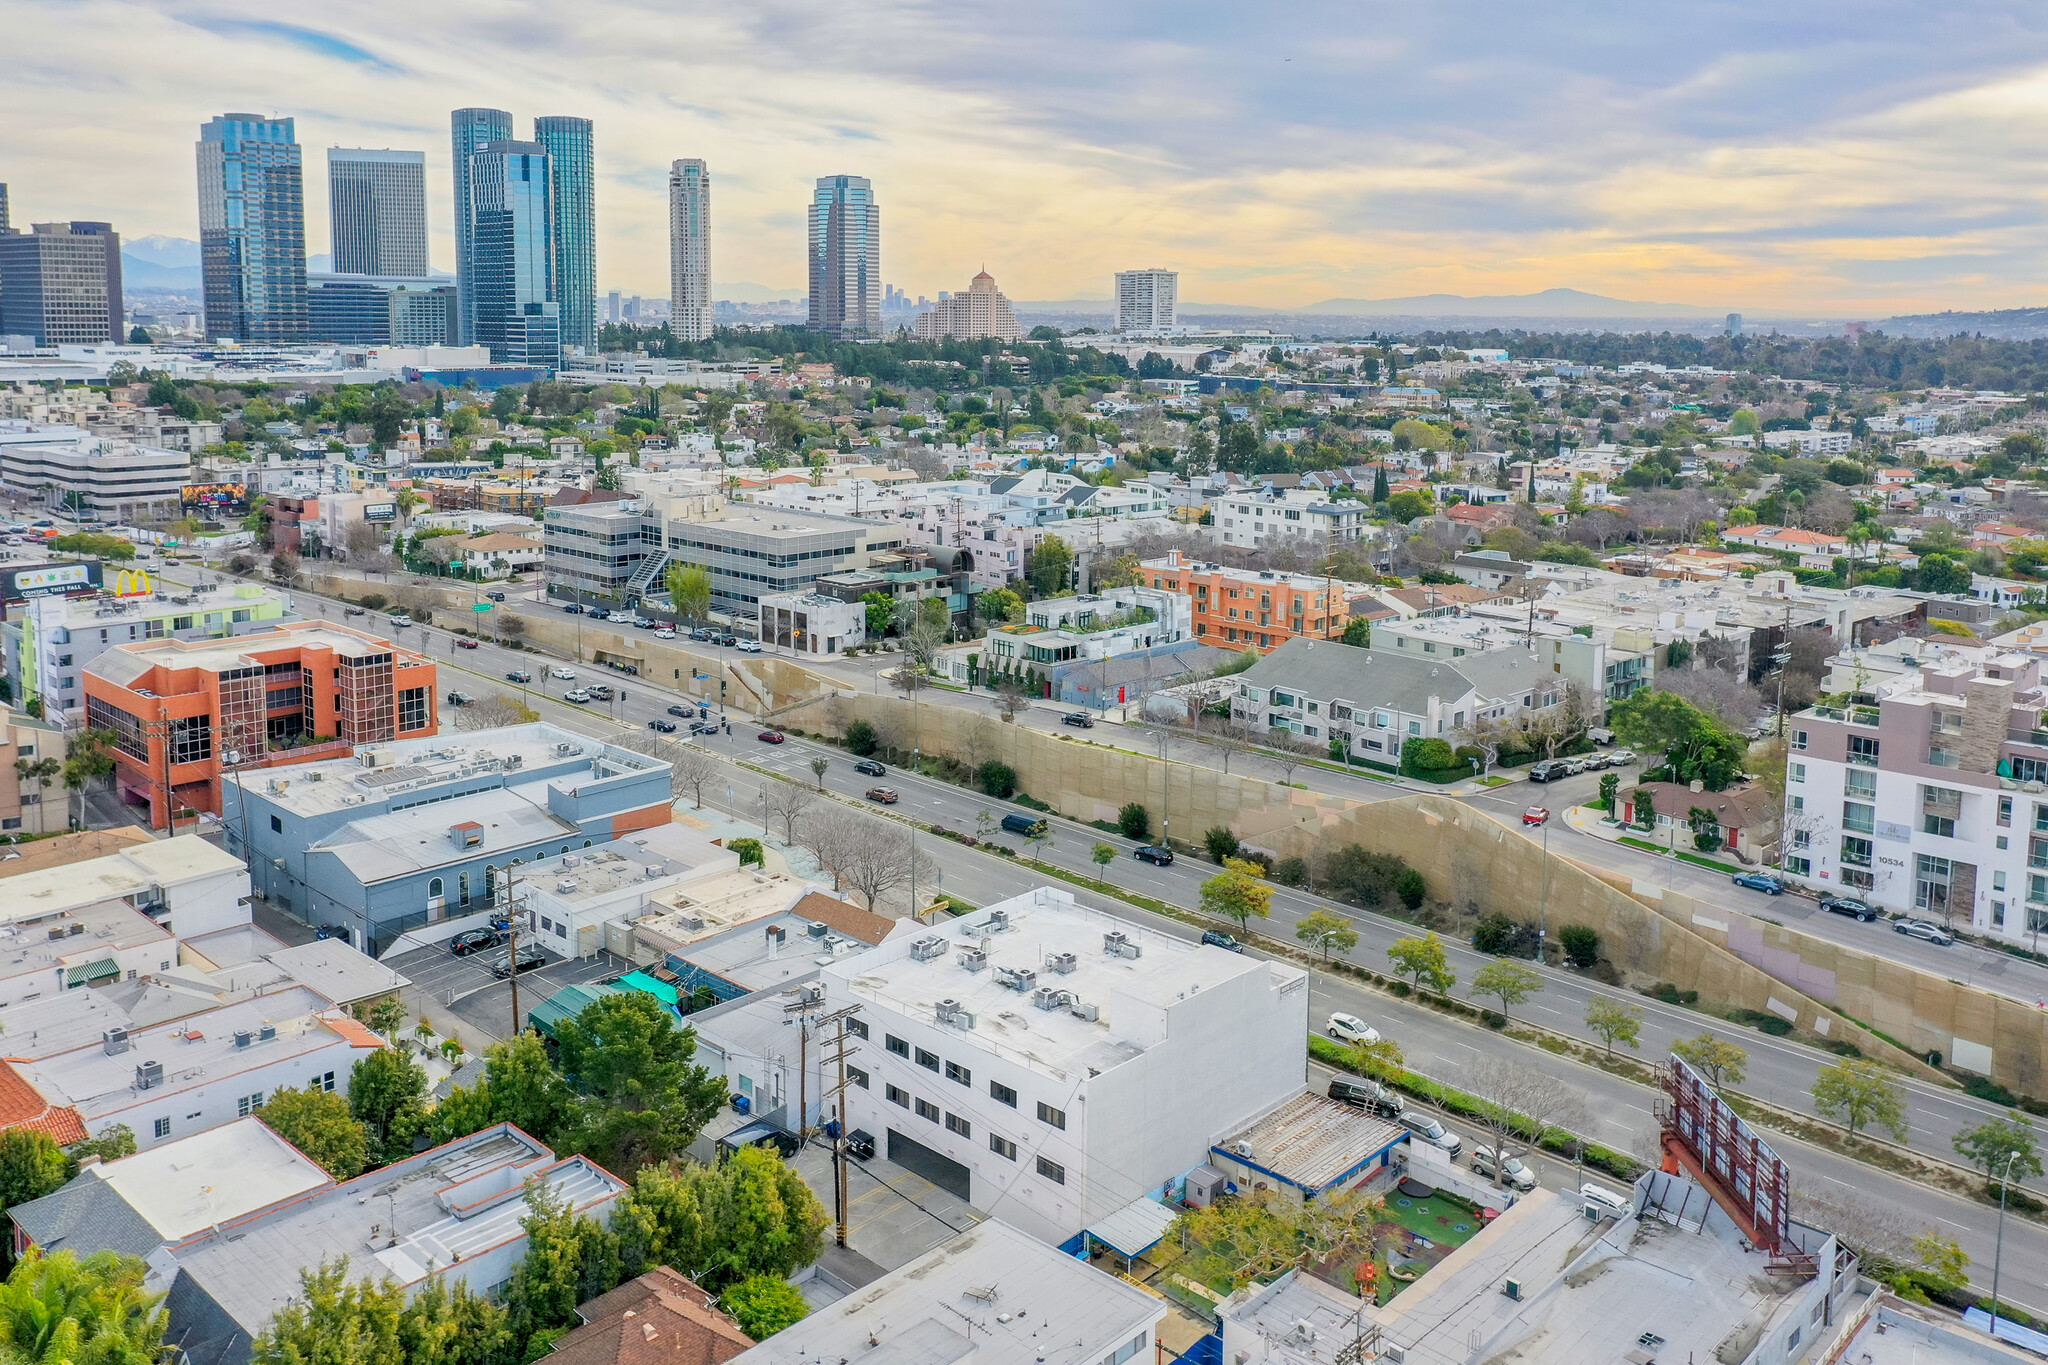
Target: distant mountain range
[
  {"x": 170, "y": 263},
  {"x": 1549, "y": 303}
]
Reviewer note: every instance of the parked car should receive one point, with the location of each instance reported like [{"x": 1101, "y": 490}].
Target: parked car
[
  {"x": 1510, "y": 1172},
  {"x": 1368, "y": 1095},
  {"x": 464, "y": 642},
  {"x": 682, "y": 712},
  {"x": 1573, "y": 766},
  {"x": 703, "y": 727},
  {"x": 1848, "y": 905},
  {"x": 518, "y": 675},
  {"x": 530, "y": 956},
  {"x": 860, "y": 1145},
  {"x": 1159, "y": 855},
  {"x": 1026, "y": 825},
  {"x": 1925, "y": 930},
  {"x": 664, "y": 634},
  {"x": 1216, "y": 938},
  {"x": 574, "y": 609},
  {"x": 619, "y": 618},
  {"x": 1423, "y": 1126},
  {"x": 1536, "y": 815},
  {"x": 473, "y": 941},
  {"x": 771, "y": 736},
  {"x": 601, "y": 691},
  {"x": 577, "y": 695},
  {"x": 747, "y": 646},
  {"x": 1621, "y": 758},
  {"x": 1591, "y": 763},
  {"x": 884, "y": 795},
  {"x": 867, "y": 767},
  {"x": 353, "y": 611},
  {"x": 565, "y": 674},
  {"x": 1080, "y": 720},
  {"x": 1549, "y": 770},
  {"x": 667, "y": 727},
  {"x": 644, "y": 623},
  {"x": 727, "y": 641},
  {"x": 1759, "y": 881},
  {"x": 1349, "y": 1028},
  {"x": 460, "y": 699},
  {"x": 701, "y": 635},
  {"x": 495, "y": 596}
]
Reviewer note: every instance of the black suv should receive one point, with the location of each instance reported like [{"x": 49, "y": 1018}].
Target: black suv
[
  {"x": 1549, "y": 770},
  {"x": 1848, "y": 905},
  {"x": 867, "y": 767},
  {"x": 1367, "y": 1095},
  {"x": 1080, "y": 720},
  {"x": 473, "y": 941}
]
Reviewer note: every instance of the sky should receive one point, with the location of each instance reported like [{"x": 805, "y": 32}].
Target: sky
[{"x": 1827, "y": 158}]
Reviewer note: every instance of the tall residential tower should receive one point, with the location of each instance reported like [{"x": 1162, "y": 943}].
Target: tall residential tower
[
  {"x": 377, "y": 207},
  {"x": 845, "y": 257},
  {"x": 471, "y": 129},
  {"x": 573, "y": 202},
  {"x": 689, "y": 250},
  {"x": 1146, "y": 300},
  {"x": 512, "y": 245},
  {"x": 252, "y": 229}
]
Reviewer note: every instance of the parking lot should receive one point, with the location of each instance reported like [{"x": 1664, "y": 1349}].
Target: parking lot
[{"x": 461, "y": 992}]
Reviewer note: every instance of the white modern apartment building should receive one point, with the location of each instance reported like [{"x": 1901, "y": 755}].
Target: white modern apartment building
[
  {"x": 1929, "y": 795},
  {"x": 98, "y": 477},
  {"x": 1147, "y": 300},
  {"x": 1259, "y": 518},
  {"x": 1086, "y": 627},
  {"x": 1050, "y": 1063},
  {"x": 689, "y": 245}
]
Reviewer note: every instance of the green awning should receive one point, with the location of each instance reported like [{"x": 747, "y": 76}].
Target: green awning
[
  {"x": 660, "y": 990},
  {"x": 91, "y": 973},
  {"x": 565, "y": 1003}
]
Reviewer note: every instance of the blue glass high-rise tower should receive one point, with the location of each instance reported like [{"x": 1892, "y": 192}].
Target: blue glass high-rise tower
[
  {"x": 846, "y": 257},
  {"x": 570, "y": 167},
  {"x": 252, "y": 229},
  {"x": 471, "y": 129},
  {"x": 511, "y": 232}
]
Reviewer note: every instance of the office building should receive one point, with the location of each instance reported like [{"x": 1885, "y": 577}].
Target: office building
[
  {"x": 689, "y": 247},
  {"x": 845, "y": 257},
  {"x": 369, "y": 310},
  {"x": 1034, "y": 1056},
  {"x": 377, "y": 208},
  {"x": 573, "y": 206},
  {"x": 252, "y": 229},
  {"x": 513, "y": 255},
  {"x": 60, "y": 283},
  {"x": 980, "y": 314},
  {"x": 183, "y": 711},
  {"x": 1734, "y": 326},
  {"x": 1146, "y": 300},
  {"x": 471, "y": 131},
  {"x": 98, "y": 477},
  {"x": 1261, "y": 608},
  {"x": 6, "y": 223}
]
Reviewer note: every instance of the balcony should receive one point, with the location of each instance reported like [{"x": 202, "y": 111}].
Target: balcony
[{"x": 1847, "y": 715}]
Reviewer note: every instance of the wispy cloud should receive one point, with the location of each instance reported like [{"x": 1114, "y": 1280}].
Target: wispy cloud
[{"x": 307, "y": 39}]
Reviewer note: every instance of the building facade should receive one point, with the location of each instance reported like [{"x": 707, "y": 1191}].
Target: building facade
[
  {"x": 845, "y": 257},
  {"x": 1084, "y": 628},
  {"x": 812, "y": 623},
  {"x": 252, "y": 229},
  {"x": 1259, "y": 608},
  {"x": 572, "y": 205},
  {"x": 980, "y": 314},
  {"x": 689, "y": 249},
  {"x": 377, "y": 211},
  {"x": 512, "y": 241},
  {"x": 96, "y": 476},
  {"x": 1147, "y": 300},
  {"x": 359, "y": 310},
  {"x": 471, "y": 130},
  {"x": 1259, "y": 519},
  {"x": 60, "y": 283}
]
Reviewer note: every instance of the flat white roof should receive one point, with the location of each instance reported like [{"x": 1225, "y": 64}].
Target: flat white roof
[
  {"x": 190, "y": 1184},
  {"x": 163, "y": 862}
]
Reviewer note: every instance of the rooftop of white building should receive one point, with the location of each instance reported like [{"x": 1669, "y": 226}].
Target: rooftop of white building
[{"x": 135, "y": 871}]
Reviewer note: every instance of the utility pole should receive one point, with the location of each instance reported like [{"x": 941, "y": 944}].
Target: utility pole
[
  {"x": 1998, "y": 1256},
  {"x": 836, "y": 1129},
  {"x": 512, "y": 931},
  {"x": 1781, "y": 656}
]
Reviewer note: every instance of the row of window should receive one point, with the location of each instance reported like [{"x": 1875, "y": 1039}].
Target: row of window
[
  {"x": 957, "y": 1073},
  {"x": 961, "y": 1127}
]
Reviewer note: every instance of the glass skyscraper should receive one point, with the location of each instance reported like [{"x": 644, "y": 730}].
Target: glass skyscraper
[
  {"x": 252, "y": 229},
  {"x": 689, "y": 247},
  {"x": 377, "y": 207},
  {"x": 846, "y": 257},
  {"x": 471, "y": 130},
  {"x": 511, "y": 233},
  {"x": 575, "y": 225}
]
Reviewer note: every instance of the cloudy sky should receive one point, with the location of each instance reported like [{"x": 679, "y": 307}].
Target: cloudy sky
[{"x": 1821, "y": 156}]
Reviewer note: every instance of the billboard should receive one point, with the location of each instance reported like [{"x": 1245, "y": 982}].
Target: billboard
[
  {"x": 380, "y": 511},
  {"x": 48, "y": 580},
  {"x": 1730, "y": 1153},
  {"x": 226, "y": 499}
]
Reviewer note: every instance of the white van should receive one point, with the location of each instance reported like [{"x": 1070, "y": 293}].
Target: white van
[
  {"x": 1605, "y": 1203},
  {"x": 1432, "y": 1132}
]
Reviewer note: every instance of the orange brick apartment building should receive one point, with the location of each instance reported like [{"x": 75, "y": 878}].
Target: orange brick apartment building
[
  {"x": 181, "y": 710},
  {"x": 1263, "y": 609}
]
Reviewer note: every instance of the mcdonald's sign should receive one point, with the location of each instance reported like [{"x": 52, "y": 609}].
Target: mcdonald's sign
[{"x": 133, "y": 583}]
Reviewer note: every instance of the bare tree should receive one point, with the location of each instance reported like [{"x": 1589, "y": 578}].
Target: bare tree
[
  {"x": 921, "y": 641},
  {"x": 1290, "y": 751},
  {"x": 786, "y": 802},
  {"x": 981, "y": 743},
  {"x": 1230, "y": 737},
  {"x": 833, "y": 835},
  {"x": 880, "y": 861},
  {"x": 1879, "y": 1233},
  {"x": 690, "y": 768},
  {"x": 1598, "y": 527},
  {"x": 1724, "y": 696},
  {"x": 362, "y": 541},
  {"x": 491, "y": 713},
  {"x": 1011, "y": 698},
  {"x": 1519, "y": 1103}
]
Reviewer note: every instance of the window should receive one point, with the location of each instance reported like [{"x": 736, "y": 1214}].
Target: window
[
  {"x": 858, "y": 1028},
  {"x": 897, "y": 1096},
  {"x": 1002, "y": 1147},
  {"x": 435, "y": 894},
  {"x": 1795, "y": 772},
  {"x": 1799, "y": 867},
  {"x": 2005, "y": 810},
  {"x": 1855, "y": 852},
  {"x": 1002, "y": 1094},
  {"x": 1053, "y": 1171},
  {"x": 1047, "y": 1114},
  {"x": 163, "y": 1128},
  {"x": 191, "y": 739},
  {"x": 1931, "y": 883},
  {"x": 1938, "y": 824},
  {"x": 895, "y": 1045},
  {"x": 1125, "y": 1351},
  {"x": 1862, "y": 786},
  {"x": 1858, "y": 817},
  {"x": 1799, "y": 740},
  {"x": 412, "y": 708},
  {"x": 927, "y": 1110},
  {"x": 857, "y": 1076},
  {"x": 956, "y": 1124},
  {"x": 246, "y": 1105},
  {"x": 324, "y": 1081},
  {"x": 928, "y": 1060},
  {"x": 276, "y": 825},
  {"x": 957, "y": 1072}
]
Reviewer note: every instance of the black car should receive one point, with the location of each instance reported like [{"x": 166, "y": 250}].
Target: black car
[
  {"x": 703, "y": 727},
  {"x": 667, "y": 727},
  {"x": 495, "y": 596},
  {"x": 1080, "y": 720},
  {"x": 1216, "y": 938},
  {"x": 867, "y": 767},
  {"x": 530, "y": 956},
  {"x": 1159, "y": 855},
  {"x": 682, "y": 711},
  {"x": 860, "y": 1144},
  {"x": 1550, "y": 770},
  {"x": 574, "y": 609},
  {"x": 1367, "y": 1095},
  {"x": 518, "y": 675},
  {"x": 474, "y": 940},
  {"x": 1848, "y": 905}
]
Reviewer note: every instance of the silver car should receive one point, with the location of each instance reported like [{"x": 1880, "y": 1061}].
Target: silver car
[{"x": 1926, "y": 930}]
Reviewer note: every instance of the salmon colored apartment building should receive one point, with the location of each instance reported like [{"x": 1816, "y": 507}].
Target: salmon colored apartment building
[
  {"x": 182, "y": 710},
  {"x": 1260, "y": 608}
]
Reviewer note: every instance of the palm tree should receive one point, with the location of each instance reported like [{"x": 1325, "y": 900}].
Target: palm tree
[
  {"x": 407, "y": 501},
  {"x": 91, "y": 1312}
]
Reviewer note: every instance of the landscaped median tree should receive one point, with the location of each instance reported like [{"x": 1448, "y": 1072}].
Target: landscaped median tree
[
  {"x": 1990, "y": 1144},
  {"x": 1326, "y": 932},
  {"x": 1238, "y": 893},
  {"x": 1858, "y": 1093},
  {"x": 1104, "y": 854},
  {"x": 1612, "y": 1022},
  {"x": 1722, "y": 1063},
  {"x": 1512, "y": 981},
  {"x": 1423, "y": 961}
]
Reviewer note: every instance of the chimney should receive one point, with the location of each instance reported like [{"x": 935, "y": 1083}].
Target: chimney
[{"x": 775, "y": 934}]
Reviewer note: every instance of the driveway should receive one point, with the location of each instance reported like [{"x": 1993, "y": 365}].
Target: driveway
[{"x": 460, "y": 992}]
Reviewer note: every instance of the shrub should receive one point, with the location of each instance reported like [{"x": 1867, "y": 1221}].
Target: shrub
[
  {"x": 1135, "y": 821},
  {"x": 1290, "y": 872},
  {"x": 1220, "y": 843},
  {"x": 1411, "y": 888},
  {"x": 748, "y": 851},
  {"x": 1671, "y": 995},
  {"x": 1427, "y": 757},
  {"x": 372, "y": 601},
  {"x": 1493, "y": 1019},
  {"x": 1757, "y": 1019},
  {"x": 1026, "y": 799},
  {"x": 996, "y": 778},
  {"x": 1581, "y": 945},
  {"x": 861, "y": 739},
  {"x": 1496, "y": 935}
]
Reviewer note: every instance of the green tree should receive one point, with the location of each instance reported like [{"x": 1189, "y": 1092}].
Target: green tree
[
  {"x": 1420, "y": 757},
  {"x": 765, "y": 1304},
  {"x": 1610, "y": 787},
  {"x": 998, "y": 606},
  {"x": 444, "y": 1326},
  {"x": 880, "y": 611},
  {"x": 748, "y": 851},
  {"x": 1220, "y": 842},
  {"x": 111, "y": 1144},
  {"x": 1134, "y": 820},
  {"x": 386, "y": 1091},
  {"x": 1410, "y": 887},
  {"x": 334, "y": 1320},
  {"x": 60, "y": 1310},
  {"x": 1942, "y": 1258},
  {"x": 1696, "y": 745},
  {"x": 861, "y": 739},
  {"x": 387, "y": 1016},
  {"x": 1722, "y": 1063},
  {"x": 1406, "y": 505},
  {"x": 1858, "y": 1093},
  {"x": 1706, "y": 828},
  {"x": 1238, "y": 893},
  {"x": 645, "y": 1097},
  {"x": 1581, "y": 945},
  {"x": 689, "y": 590},
  {"x": 569, "y": 1258},
  {"x": 1358, "y": 631},
  {"x": 387, "y": 413},
  {"x": 1052, "y": 566},
  {"x": 1941, "y": 574},
  {"x": 1512, "y": 981},
  {"x": 1423, "y": 960},
  {"x": 31, "y": 1166},
  {"x": 1613, "y": 1023},
  {"x": 750, "y": 1215},
  {"x": 1326, "y": 933},
  {"x": 1104, "y": 854},
  {"x": 1988, "y": 1145},
  {"x": 318, "y": 1123}
]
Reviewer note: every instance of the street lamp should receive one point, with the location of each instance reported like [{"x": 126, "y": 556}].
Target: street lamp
[{"x": 1998, "y": 1256}]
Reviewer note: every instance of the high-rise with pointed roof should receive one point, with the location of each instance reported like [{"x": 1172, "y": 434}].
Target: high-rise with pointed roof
[
  {"x": 689, "y": 247},
  {"x": 982, "y": 313}
]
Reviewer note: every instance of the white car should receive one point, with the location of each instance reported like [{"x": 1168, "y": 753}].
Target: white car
[
  {"x": 1349, "y": 1028},
  {"x": 664, "y": 635},
  {"x": 748, "y": 646},
  {"x": 1513, "y": 1173},
  {"x": 620, "y": 618},
  {"x": 565, "y": 674}
]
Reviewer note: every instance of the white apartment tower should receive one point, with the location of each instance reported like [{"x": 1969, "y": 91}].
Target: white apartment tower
[
  {"x": 979, "y": 314},
  {"x": 1146, "y": 300},
  {"x": 689, "y": 246}
]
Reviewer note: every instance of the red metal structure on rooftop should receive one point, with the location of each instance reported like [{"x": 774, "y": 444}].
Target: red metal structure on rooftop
[{"x": 1707, "y": 1141}]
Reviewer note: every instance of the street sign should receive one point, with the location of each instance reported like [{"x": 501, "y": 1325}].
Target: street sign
[{"x": 481, "y": 606}]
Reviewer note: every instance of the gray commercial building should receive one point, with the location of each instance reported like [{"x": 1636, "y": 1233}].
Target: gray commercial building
[
  {"x": 845, "y": 257},
  {"x": 60, "y": 283},
  {"x": 471, "y": 131},
  {"x": 377, "y": 207},
  {"x": 572, "y": 206},
  {"x": 370, "y": 310},
  {"x": 252, "y": 229}
]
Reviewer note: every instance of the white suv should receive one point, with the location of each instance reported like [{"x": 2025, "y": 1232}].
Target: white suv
[{"x": 565, "y": 674}]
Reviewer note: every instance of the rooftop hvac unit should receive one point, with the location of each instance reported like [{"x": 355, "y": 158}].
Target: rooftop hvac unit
[
  {"x": 1081, "y": 1009},
  {"x": 565, "y": 748},
  {"x": 972, "y": 959},
  {"x": 571, "y": 860},
  {"x": 817, "y": 928},
  {"x": 693, "y": 923},
  {"x": 1019, "y": 979},
  {"x": 565, "y": 885},
  {"x": 1060, "y": 962},
  {"x": 1240, "y": 1148},
  {"x": 1050, "y": 998},
  {"x": 114, "y": 1041},
  {"x": 514, "y": 761},
  {"x": 316, "y": 777},
  {"x": 927, "y": 948},
  {"x": 243, "y": 1037},
  {"x": 267, "y": 1033},
  {"x": 1392, "y": 1354},
  {"x": 954, "y": 1013},
  {"x": 76, "y": 930},
  {"x": 650, "y": 873},
  {"x": 1512, "y": 1288},
  {"x": 998, "y": 921},
  {"x": 149, "y": 1075},
  {"x": 1117, "y": 944}
]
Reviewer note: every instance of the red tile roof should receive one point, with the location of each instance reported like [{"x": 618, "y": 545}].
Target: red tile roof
[
  {"x": 353, "y": 1031},
  {"x": 23, "y": 1106},
  {"x": 661, "y": 1318}
]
